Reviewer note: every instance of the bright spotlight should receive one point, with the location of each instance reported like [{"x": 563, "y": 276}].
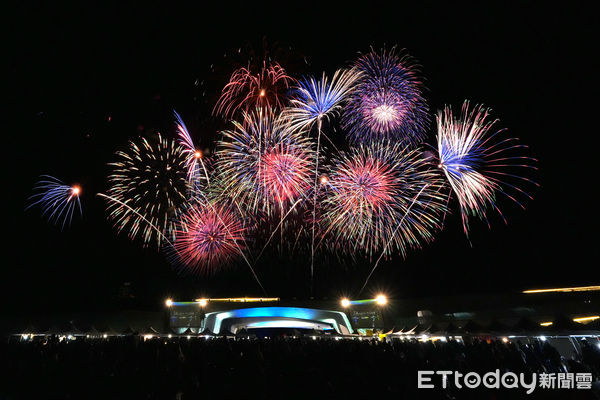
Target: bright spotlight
[
  {"x": 543, "y": 338},
  {"x": 505, "y": 339},
  {"x": 345, "y": 303},
  {"x": 381, "y": 300},
  {"x": 203, "y": 302},
  {"x": 169, "y": 302}
]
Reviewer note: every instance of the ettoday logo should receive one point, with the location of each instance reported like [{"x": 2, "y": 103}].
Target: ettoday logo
[{"x": 507, "y": 380}]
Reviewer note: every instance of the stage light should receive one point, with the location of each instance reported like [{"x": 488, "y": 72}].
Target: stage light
[
  {"x": 170, "y": 336},
  {"x": 169, "y": 302},
  {"x": 203, "y": 302},
  {"x": 381, "y": 300},
  {"x": 505, "y": 339},
  {"x": 105, "y": 336},
  {"x": 543, "y": 338},
  {"x": 345, "y": 303}
]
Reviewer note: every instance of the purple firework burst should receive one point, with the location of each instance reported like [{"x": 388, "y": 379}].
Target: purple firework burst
[{"x": 387, "y": 102}]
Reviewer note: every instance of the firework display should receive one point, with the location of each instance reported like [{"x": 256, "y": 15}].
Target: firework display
[
  {"x": 387, "y": 102},
  {"x": 479, "y": 162},
  {"x": 150, "y": 179},
  {"x": 382, "y": 189},
  {"x": 57, "y": 200}
]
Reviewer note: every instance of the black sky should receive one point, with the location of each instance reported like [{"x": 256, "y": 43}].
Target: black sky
[{"x": 70, "y": 68}]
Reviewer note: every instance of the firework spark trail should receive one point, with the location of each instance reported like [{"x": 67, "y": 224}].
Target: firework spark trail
[
  {"x": 283, "y": 218},
  {"x": 248, "y": 89},
  {"x": 150, "y": 178},
  {"x": 370, "y": 189},
  {"x": 57, "y": 200},
  {"x": 392, "y": 237},
  {"x": 150, "y": 224},
  {"x": 446, "y": 211},
  {"x": 313, "y": 102},
  {"x": 387, "y": 103},
  {"x": 477, "y": 163}
]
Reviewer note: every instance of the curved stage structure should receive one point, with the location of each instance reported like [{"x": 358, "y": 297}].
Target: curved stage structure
[{"x": 276, "y": 317}]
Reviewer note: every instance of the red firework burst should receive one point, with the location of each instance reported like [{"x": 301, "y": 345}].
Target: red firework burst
[
  {"x": 208, "y": 237},
  {"x": 248, "y": 89}
]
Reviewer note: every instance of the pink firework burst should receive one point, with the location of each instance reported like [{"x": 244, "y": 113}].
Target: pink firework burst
[
  {"x": 381, "y": 198},
  {"x": 248, "y": 89},
  {"x": 368, "y": 183},
  {"x": 285, "y": 173},
  {"x": 208, "y": 237}
]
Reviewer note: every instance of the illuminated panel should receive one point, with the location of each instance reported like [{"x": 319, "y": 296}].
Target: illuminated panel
[
  {"x": 380, "y": 299},
  {"x": 586, "y": 319},
  {"x": 359, "y": 302},
  {"x": 244, "y": 299},
  {"x": 564, "y": 290},
  {"x": 285, "y": 324},
  {"x": 183, "y": 303}
]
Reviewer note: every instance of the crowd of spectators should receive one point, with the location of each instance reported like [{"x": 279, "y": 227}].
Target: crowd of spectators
[{"x": 276, "y": 368}]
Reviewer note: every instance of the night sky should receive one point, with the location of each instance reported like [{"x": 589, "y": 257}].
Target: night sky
[{"x": 82, "y": 81}]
